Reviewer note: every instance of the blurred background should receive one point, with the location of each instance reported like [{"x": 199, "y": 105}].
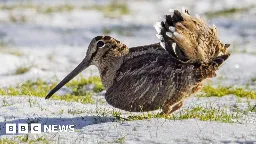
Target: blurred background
[{"x": 47, "y": 38}]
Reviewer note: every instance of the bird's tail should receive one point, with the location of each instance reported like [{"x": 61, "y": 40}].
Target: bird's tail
[
  {"x": 189, "y": 38},
  {"x": 166, "y": 28},
  {"x": 208, "y": 70}
]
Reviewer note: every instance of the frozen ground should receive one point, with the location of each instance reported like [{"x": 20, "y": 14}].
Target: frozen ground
[{"x": 54, "y": 43}]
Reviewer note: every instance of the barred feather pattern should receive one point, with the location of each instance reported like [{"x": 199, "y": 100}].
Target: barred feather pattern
[
  {"x": 194, "y": 38},
  {"x": 149, "y": 77}
]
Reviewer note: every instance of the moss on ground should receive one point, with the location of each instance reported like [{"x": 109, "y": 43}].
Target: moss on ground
[
  {"x": 197, "y": 112},
  {"x": 77, "y": 85},
  {"x": 220, "y": 91},
  {"x": 23, "y": 139},
  {"x": 226, "y": 12},
  {"x": 22, "y": 69},
  {"x": 113, "y": 9},
  {"x": 40, "y": 88}
]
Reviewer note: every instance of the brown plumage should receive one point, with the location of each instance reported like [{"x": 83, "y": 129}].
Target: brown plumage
[
  {"x": 147, "y": 78},
  {"x": 190, "y": 38}
]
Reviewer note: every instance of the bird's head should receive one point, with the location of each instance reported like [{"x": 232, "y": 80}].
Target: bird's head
[{"x": 101, "y": 47}]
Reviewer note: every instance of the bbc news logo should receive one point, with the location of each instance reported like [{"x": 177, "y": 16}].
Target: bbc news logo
[{"x": 36, "y": 128}]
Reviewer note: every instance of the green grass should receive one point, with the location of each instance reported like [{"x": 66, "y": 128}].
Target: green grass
[
  {"x": 197, "y": 112},
  {"x": 206, "y": 114},
  {"x": 76, "y": 111},
  {"x": 39, "y": 8},
  {"x": 120, "y": 140},
  {"x": 112, "y": 10},
  {"x": 226, "y": 12},
  {"x": 22, "y": 69},
  {"x": 16, "y": 53},
  {"x": 124, "y": 31},
  {"x": 23, "y": 139},
  {"x": 220, "y": 91},
  {"x": 58, "y": 8},
  {"x": 41, "y": 88},
  {"x": 5, "y": 103},
  {"x": 77, "y": 85},
  {"x": 7, "y": 141},
  {"x": 254, "y": 79}
]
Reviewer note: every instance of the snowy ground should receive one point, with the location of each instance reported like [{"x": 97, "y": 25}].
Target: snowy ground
[{"x": 54, "y": 43}]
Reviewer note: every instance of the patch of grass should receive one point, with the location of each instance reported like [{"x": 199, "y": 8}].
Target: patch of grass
[
  {"x": 197, "y": 112},
  {"x": 39, "y": 8},
  {"x": 5, "y": 103},
  {"x": 16, "y": 53},
  {"x": 60, "y": 112},
  {"x": 253, "y": 79},
  {"x": 251, "y": 108},
  {"x": 200, "y": 112},
  {"x": 120, "y": 140},
  {"x": 58, "y": 8},
  {"x": 7, "y": 141},
  {"x": 220, "y": 91},
  {"x": 24, "y": 139},
  {"x": 124, "y": 31},
  {"x": 31, "y": 102},
  {"x": 203, "y": 113},
  {"x": 226, "y": 12},
  {"x": 22, "y": 69},
  {"x": 75, "y": 111},
  {"x": 77, "y": 85},
  {"x": 41, "y": 88},
  {"x": 9, "y": 7},
  {"x": 114, "y": 9},
  {"x": 206, "y": 114}
]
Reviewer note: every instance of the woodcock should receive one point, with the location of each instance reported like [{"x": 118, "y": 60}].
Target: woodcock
[{"x": 159, "y": 75}]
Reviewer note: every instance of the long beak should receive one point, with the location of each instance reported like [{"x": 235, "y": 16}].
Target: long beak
[{"x": 83, "y": 65}]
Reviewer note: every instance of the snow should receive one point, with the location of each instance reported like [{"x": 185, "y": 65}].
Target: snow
[
  {"x": 90, "y": 127},
  {"x": 55, "y": 43}
]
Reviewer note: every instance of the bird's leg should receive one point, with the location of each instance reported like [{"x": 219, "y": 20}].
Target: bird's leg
[
  {"x": 169, "y": 108},
  {"x": 176, "y": 107}
]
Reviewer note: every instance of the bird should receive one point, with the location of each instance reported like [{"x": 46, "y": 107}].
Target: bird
[{"x": 150, "y": 77}]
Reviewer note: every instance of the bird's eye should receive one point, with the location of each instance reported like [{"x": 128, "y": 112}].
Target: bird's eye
[{"x": 100, "y": 44}]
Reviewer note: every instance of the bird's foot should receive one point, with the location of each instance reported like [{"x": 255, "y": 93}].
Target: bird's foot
[{"x": 169, "y": 109}]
